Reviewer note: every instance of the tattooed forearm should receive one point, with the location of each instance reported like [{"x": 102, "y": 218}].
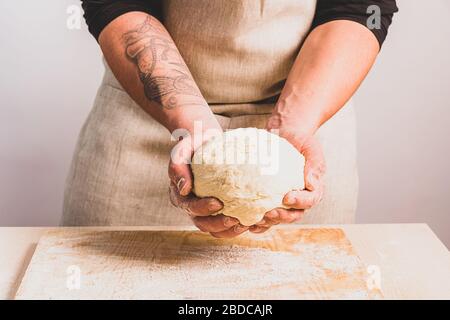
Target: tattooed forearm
[{"x": 162, "y": 71}]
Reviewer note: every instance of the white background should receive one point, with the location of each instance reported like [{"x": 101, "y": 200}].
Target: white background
[{"x": 50, "y": 74}]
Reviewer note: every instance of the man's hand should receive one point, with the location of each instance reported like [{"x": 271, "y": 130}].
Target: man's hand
[
  {"x": 332, "y": 62},
  {"x": 199, "y": 209},
  {"x": 298, "y": 200},
  {"x": 313, "y": 172}
]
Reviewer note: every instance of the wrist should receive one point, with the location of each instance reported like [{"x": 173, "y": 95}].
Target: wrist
[
  {"x": 193, "y": 120},
  {"x": 197, "y": 125},
  {"x": 294, "y": 120}
]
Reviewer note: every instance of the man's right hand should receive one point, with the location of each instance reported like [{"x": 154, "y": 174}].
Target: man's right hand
[{"x": 200, "y": 210}]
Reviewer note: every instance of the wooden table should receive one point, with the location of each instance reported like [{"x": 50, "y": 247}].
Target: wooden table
[{"x": 413, "y": 263}]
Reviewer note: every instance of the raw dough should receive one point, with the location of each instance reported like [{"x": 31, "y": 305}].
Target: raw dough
[{"x": 249, "y": 170}]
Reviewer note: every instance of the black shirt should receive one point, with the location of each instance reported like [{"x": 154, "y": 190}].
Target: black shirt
[{"x": 98, "y": 13}]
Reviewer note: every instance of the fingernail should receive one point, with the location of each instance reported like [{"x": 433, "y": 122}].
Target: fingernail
[
  {"x": 180, "y": 184},
  {"x": 289, "y": 200},
  {"x": 240, "y": 228},
  {"x": 182, "y": 187},
  {"x": 272, "y": 215},
  {"x": 229, "y": 222},
  {"x": 214, "y": 206}
]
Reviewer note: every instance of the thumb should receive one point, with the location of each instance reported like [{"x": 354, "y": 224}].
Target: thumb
[
  {"x": 179, "y": 166},
  {"x": 314, "y": 164}
]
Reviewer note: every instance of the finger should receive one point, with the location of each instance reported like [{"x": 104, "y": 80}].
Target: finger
[
  {"x": 272, "y": 215},
  {"x": 281, "y": 215},
  {"x": 266, "y": 222},
  {"x": 312, "y": 151},
  {"x": 290, "y": 215},
  {"x": 231, "y": 233},
  {"x": 302, "y": 199},
  {"x": 258, "y": 229},
  {"x": 193, "y": 205},
  {"x": 180, "y": 172},
  {"x": 216, "y": 223},
  {"x": 203, "y": 206},
  {"x": 315, "y": 163},
  {"x": 181, "y": 176},
  {"x": 313, "y": 177}
]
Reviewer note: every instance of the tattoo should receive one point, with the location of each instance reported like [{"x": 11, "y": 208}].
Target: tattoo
[{"x": 166, "y": 78}]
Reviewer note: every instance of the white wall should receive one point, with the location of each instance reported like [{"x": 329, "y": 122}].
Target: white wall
[
  {"x": 50, "y": 74},
  {"x": 49, "y": 77},
  {"x": 403, "y": 111}
]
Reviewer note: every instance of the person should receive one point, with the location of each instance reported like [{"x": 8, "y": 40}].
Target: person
[{"x": 289, "y": 65}]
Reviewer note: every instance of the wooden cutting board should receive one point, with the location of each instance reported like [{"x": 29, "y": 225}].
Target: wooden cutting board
[{"x": 286, "y": 263}]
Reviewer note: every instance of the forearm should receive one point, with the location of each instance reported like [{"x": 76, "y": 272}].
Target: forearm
[
  {"x": 146, "y": 62},
  {"x": 332, "y": 63}
]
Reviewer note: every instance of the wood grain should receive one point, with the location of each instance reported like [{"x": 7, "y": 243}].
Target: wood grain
[{"x": 292, "y": 263}]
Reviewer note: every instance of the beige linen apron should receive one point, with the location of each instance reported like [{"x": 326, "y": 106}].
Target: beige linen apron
[{"x": 239, "y": 51}]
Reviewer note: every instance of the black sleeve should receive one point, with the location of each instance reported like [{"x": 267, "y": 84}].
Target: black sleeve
[
  {"x": 99, "y": 13},
  {"x": 356, "y": 10}
]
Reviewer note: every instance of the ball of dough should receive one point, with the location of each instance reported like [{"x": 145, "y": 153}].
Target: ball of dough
[{"x": 249, "y": 170}]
